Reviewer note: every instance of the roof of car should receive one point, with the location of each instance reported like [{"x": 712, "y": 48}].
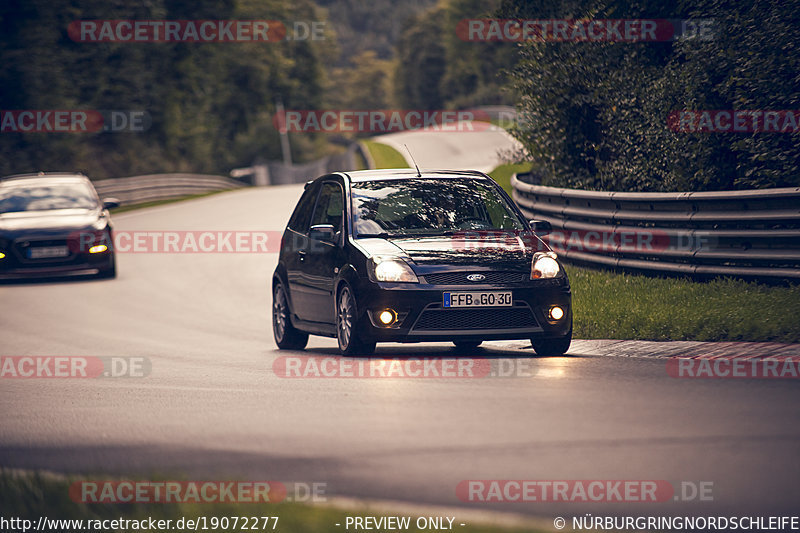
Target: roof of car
[
  {"x": 43, "y": 178},
  {"x": 409, "y": 173}
]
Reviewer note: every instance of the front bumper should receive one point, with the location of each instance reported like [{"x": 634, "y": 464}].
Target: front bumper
[
  {"x": 422, "y": 317},
  {"x": 75, "y": 265},
  {"x": 18, "y": 262}
]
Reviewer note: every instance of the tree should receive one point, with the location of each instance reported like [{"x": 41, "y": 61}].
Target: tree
[
  {"x": 596, "y": 113},
  {"x": 211, "y": 104},
  {"x": 421, "y": 62}
]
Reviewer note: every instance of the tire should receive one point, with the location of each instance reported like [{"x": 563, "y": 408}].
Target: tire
[
  {"x": 346, "y": 315},
  {"x": 287, "y": 337},
  {"x": 552, "y": 347},
  {"x": 467, "y": 345}
]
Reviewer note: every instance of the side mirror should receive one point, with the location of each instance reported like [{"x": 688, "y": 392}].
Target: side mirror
[
  {"x": 110, "y": 203},
  {"x": 322, "y": 232},
  {"x": 541, "y": 227}
]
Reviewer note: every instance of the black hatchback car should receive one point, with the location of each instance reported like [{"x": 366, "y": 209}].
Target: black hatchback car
[
  {"x": 54, "y": 225},
  {"x": 401, "y": 256}
]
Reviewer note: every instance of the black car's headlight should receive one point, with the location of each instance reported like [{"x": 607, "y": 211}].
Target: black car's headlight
[
  {"x": 390, "y": 269},
  {"x": 544, "y": 265}
]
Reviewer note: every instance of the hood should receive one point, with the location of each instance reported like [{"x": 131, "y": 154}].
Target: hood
[
  {"x": 510, "y": 249},
  {"x": 61, "y": 219}
]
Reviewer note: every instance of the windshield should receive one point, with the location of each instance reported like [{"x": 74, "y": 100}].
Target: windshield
[
  {"x": 429, "y": 207},
  {"x": 18, "y": 198}
]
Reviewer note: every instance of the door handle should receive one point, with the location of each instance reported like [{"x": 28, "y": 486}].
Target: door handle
[{"x": 302, "y": 254}]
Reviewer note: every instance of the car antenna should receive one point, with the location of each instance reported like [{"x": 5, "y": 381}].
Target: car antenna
[{"x": 419, "y": 174}]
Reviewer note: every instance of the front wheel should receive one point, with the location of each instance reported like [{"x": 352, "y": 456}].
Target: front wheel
[
  {"x": 346, "y": 335},
  {"x": 287, "y": 337},
  {"x": 552, "y": 347}
]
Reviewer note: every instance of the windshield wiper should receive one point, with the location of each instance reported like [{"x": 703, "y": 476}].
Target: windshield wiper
[
  {"x": 382, "y": 235},
  {"x": 405, "y": 235}
]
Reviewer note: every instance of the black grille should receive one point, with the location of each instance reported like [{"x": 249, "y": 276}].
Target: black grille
[
  {"x": 466, "y": 319},
  {"x": 460, "y": 278}
]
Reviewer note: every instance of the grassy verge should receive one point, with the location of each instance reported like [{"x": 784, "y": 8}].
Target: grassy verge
[
  {"x": 385, "y": 156},
  {"x": 609, "y": 305},
  {"x": 30, "y": 496},
  {"x": 502, "y": 174}
]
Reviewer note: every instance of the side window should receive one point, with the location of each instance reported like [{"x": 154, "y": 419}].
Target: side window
[
  {"x": 329, "y": 206},
  {"x": 300, "y": 220}
]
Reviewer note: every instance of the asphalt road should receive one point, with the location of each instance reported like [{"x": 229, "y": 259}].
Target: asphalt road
[
  {"x": 472, "y": 145},
  {"x": 213, "y": 406}
]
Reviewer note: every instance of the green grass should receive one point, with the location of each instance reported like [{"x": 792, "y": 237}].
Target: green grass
[
  {"x": 385, "y": 156},
  {"x": 609, "y": 305},
  {"x": 30, "y": 496},
  {"x": 502, "y": 174}
]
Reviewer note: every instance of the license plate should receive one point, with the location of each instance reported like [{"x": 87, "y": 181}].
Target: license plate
[
  {"x": 477, "y": 299},
  {"x": 48, "y": 252}
]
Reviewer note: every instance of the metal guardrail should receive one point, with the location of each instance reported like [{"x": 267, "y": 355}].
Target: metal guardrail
[
  {"x": 749, "y": 233},
  {"x": 155, "y": 187}
]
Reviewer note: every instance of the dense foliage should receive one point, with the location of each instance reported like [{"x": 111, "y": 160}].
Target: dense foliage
[
  {"x": 595, "y": 113},
  {"x": 369, "y": 25},
  {"x": 592, "y": 114},
  {"x": 211, "y": 104},
  {"x": 438, "y": 69}
]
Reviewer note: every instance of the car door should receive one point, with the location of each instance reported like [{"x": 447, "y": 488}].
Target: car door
[
  {"x": 323, "y": 259},
  {"x": 295, "y": 246}
]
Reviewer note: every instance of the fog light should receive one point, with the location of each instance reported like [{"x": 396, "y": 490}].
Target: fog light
[
  {"x": 387, "y": 317},
  {"x": 100, "y": 248},
  {"x": 2, "y": 255},
  {"x": 556, "y": 313}
]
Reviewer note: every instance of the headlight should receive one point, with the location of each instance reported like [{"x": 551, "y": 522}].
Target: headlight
[
  {"x": 544, "y": 265},
  {"x": 390, "y": 269}
]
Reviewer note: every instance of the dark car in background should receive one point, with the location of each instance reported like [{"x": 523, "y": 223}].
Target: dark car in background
[
  {"x": 53, "y": 225},
  {"x": 403, "y": 256}
]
